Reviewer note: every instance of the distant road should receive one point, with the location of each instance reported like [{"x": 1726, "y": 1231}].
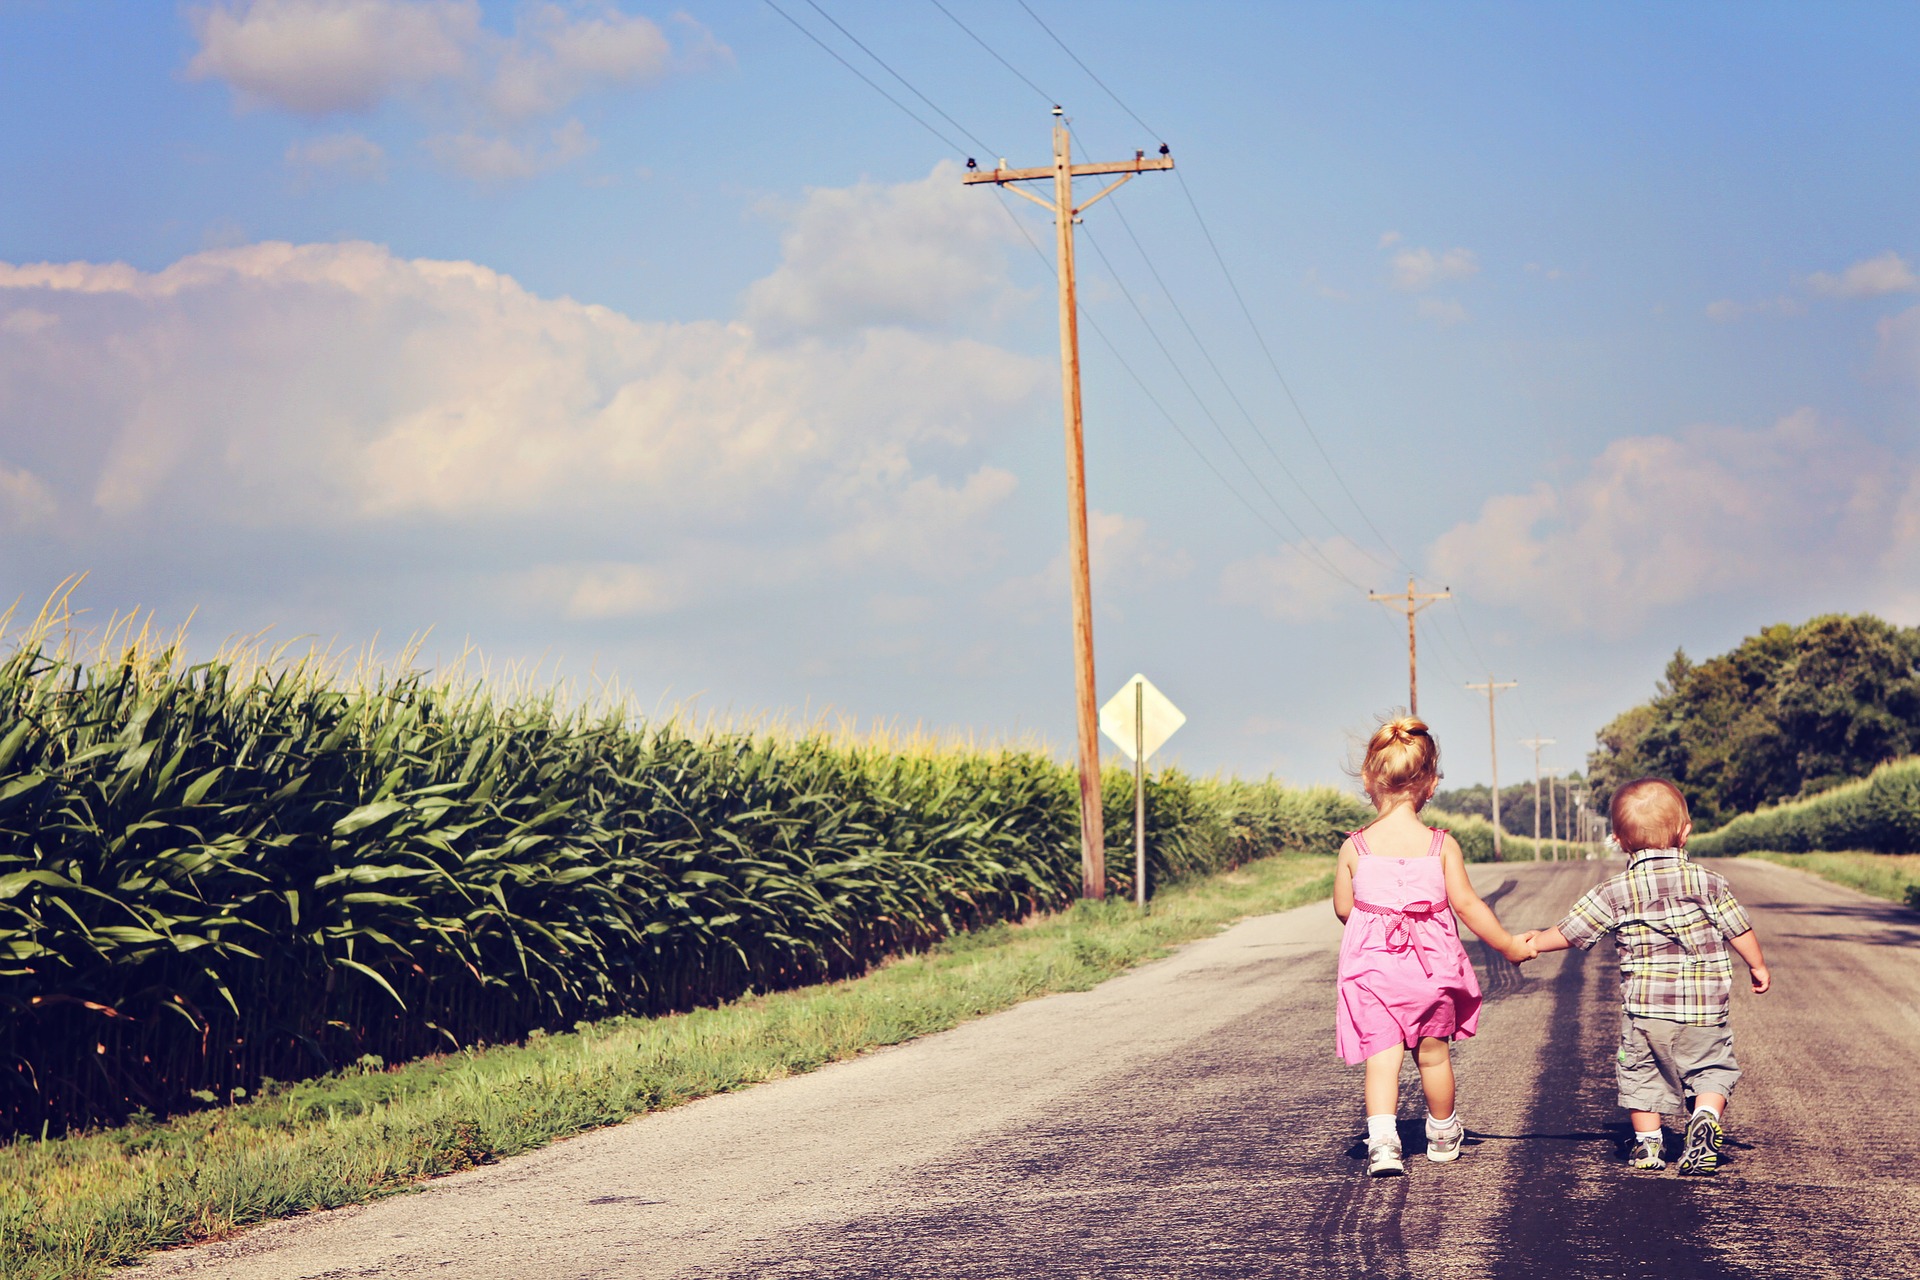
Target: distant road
[{"x": 1190, "y": 1119}]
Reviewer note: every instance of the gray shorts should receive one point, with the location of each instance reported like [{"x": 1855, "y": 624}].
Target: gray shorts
[{"x": 1662, "y": 1062}]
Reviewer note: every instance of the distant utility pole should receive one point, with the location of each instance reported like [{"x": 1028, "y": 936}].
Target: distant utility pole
[
  {"x": 1411, "y": 603},
  {"x": 1490, "y": 688},
  {"x": 1093, "y": 863},
  {"x": 1553, "y": 814},
  {"x": 1536, "y": 744}
]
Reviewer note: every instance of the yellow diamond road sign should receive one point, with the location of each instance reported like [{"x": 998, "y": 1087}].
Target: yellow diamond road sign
[{"x": 1140, "y": 717}]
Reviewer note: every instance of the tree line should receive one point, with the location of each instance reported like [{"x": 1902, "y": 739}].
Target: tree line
[{"x": 1791, "y": 711}]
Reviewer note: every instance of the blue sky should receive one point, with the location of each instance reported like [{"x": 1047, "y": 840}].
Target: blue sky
[{"x": 653, "y": 344}]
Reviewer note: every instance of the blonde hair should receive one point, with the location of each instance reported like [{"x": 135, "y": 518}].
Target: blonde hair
[
  {"x": 1402, "y": 757},
  {"x": 1648, "y": 813}
]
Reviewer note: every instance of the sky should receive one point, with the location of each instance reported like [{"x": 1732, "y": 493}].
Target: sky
[{"x": 656, "y": 348}]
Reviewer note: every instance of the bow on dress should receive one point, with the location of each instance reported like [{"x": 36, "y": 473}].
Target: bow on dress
[{"x": 1401, "y": 936}]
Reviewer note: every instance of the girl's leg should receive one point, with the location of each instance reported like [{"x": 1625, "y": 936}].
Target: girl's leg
[
  {"x": 1383, "y": 1081},
  {"x": 1436, "y": 1075}
]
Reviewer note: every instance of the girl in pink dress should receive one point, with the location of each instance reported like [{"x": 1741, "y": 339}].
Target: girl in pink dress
[{"x": 1405, "y": 980}]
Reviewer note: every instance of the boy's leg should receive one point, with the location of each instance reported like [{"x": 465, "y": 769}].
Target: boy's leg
[
  {"x": 1436, "y": 1076},
  {"x": 1649, "y": 1086},
  {"x": 1705, "y": 1057}
]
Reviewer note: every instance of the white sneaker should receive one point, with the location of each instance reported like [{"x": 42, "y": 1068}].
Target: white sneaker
[
  {"x": 1443, "y": 1140},
  {"x": 1383, "y": 1159}
]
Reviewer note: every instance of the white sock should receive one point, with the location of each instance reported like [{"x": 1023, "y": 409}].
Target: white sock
[
  {"x": 1648, "y": 1135},
  {"x": 1708, "y": 1107},
  {"x": 1438, "y": 1123},
  {"x": 1382, "y": 1127}
]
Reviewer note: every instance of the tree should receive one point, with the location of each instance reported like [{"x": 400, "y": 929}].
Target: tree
[{"x": 1789, "y": 711}]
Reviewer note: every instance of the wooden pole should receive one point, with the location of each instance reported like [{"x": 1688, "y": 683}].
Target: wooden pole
[
  {"x": 1536, "y": 744},
  {"x": 1493, "y": 741},
  {"x": 1553, "y": 814},
  {"x": 1413, "y": 664},
  {"x": 1093, "y": 868},
  {"x": 1140, "y": 794},
  {"x": 1093, "y": 864},
  {"x": 1411, "y": 603}
]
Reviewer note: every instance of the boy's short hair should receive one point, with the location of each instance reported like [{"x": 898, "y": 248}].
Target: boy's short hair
[{"x": 1648, "y": 813}]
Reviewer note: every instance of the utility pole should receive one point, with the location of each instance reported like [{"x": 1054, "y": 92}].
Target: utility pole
[
  {"x": 1093, "y": 868},
  {"x": 1411, "y": 603},
  {"x": 1536, "y": 744},
  {"x": 1553, "y": 814},
  {"x": 1491, "y": 687}
]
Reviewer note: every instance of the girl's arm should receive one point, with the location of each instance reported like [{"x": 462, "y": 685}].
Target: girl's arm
[
  {"x": 1343, "y": 880},
  {"x": 1474, "y": 913}
]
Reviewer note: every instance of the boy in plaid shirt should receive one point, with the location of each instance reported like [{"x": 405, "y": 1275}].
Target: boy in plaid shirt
[{"x": 1673, "y": 923}]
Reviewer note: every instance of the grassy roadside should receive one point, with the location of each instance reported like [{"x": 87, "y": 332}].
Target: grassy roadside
[
  {"x": 76, "y": 1206},
  {"x": 1893, "y": 876}
]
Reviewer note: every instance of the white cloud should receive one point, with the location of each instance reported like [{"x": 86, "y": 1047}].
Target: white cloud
[
  {"x": 333, "y": 389},
  {"x": 556, "y": 57},
  {"x": 492, "y": 159},
  {"x": 25, "y": 499},
  {"x": 1124, "y": 559},
  {"x": 1417, "y": 269},
  {"x": 1663, "y": 522},
  {"x": 319, "y": 57},
  {"x": 1445, "y": 312},
  {"x": 338, "y": 155},
  {"x": 923, "y": 254},
  {"x": 1868, "y": 278},
  {"x": 1294, "y": 583},
  {"x": 1726, "y": 310},
  {"x": 1899, "y": 353}
]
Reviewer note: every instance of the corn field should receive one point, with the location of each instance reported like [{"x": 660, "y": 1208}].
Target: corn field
[
  {"x": 220, "y": 874},
  {"x": 1879, "y": 813}
]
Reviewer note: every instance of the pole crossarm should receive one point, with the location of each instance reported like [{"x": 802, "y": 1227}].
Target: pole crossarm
[
  {"x": 1411, "y": 602},
  {"x": 1141, "y": 163}
]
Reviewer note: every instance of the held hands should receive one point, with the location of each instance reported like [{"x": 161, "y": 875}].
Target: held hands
[{"x": 1520, "y": 948}]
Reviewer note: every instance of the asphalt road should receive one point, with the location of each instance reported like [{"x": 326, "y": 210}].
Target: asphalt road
[{"x": 1190, "y": 1119}]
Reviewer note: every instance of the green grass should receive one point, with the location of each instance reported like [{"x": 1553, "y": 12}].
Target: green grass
[
  {"x": 1893, "y": 876},
  {"x": 75, "y": 1206}
]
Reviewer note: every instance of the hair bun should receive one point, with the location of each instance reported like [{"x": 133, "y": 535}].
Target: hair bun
[{"x": 1401, "y": 757}]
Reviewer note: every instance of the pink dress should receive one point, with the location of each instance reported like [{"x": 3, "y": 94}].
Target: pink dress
[{"x": 1403, "y": 972}]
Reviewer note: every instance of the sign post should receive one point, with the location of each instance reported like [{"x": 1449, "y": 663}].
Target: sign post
[{"x": 1140, "y": 719}]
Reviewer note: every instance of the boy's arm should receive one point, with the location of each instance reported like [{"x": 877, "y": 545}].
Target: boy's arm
[
  {"x": 1545, "y": 940},
  {"x": 1747, "y": 947}
]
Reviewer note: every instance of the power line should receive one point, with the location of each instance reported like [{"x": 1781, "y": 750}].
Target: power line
[
  {"x": 1247, "y": 312},
  {"x": 1208, "y": 413},
  {"x": 1089, "y": 70},
  {"x": 1154, "y": 400},
  {"x": 949, "y": 143},
  {"x": 1233, "y": 395},
  {"x": 1047, "y": 97},
  {"x": 897, "y": 76},
  {"x": 1274, "y": 364}
]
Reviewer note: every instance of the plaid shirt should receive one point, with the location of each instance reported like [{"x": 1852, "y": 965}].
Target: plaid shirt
[{"x": 1670, "y": 919}]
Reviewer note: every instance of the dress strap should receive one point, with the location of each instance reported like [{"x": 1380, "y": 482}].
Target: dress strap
[
  {"x": 1360, "y": 841},
  {"x": 1439, "y": 838}
]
